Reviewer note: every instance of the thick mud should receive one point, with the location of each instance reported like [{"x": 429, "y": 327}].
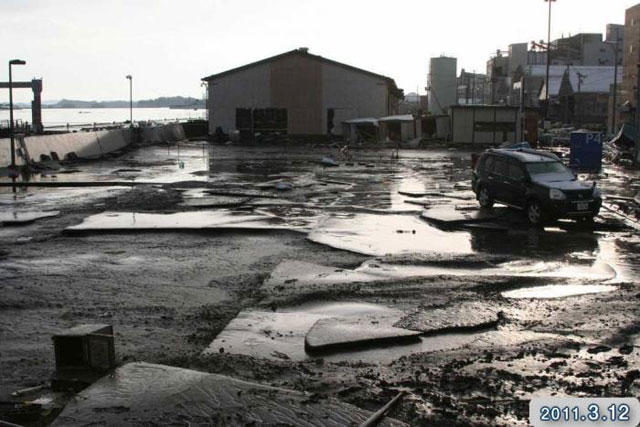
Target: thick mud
[{"x": 505, "y": 312}]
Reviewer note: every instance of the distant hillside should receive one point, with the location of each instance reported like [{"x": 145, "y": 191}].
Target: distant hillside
[{"x": 171, "y": 101}]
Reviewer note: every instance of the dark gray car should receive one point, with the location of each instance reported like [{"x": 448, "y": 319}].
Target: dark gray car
[{"x": 536, "y": 182}]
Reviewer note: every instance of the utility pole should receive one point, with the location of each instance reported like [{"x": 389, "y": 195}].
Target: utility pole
[
  {"x": 522, "y": 105},
  {"x": 581, "y": 78},
  {"x": 473, "y": 88},
  {"x": 466, "y": 89},
  {"x": 546, "y": 116},
  {"x": 130, "y": 99},
  {"x": 615, "y": 46},
  {"x": 636, "y": 150}
]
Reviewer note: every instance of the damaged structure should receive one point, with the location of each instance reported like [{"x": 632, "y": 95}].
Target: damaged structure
[{"x": 296, "y": 93}]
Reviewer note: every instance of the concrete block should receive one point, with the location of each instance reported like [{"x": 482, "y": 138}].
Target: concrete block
[{"x": 339, "y": 334}]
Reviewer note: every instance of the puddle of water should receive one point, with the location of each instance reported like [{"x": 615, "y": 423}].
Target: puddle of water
[
  {"x": 380, "y": 235},
  {"x": 18, "y": 217},
  {"x": 179, "y": 221},
  {"x": 524, "y": 268},
  {"x": 557, "y": 291}
]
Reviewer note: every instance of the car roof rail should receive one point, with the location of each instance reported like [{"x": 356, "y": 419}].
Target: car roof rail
[{"x": 542, "y": 153}]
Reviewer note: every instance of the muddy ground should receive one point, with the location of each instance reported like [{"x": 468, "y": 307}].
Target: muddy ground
[{"x": 168, "y": 294}]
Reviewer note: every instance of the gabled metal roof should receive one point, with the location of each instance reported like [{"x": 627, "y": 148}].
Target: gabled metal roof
[{"x": 304, "y": 53}]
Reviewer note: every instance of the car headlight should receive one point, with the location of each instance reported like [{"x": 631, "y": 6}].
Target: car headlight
[
  {"x": 596, "y": 192},
  {"x": 555, "y": 194}
]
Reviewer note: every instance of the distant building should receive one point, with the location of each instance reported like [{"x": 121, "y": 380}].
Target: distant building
[
  {"x": 588, "y": 49},
  {"x": 473, "y": 88},
  {"x": 506, "y": 69},
  {"x": 442, "y": 84},
  {"x": 580, "y": 95},
  {"x": 500, "y": 79},
  {"x": 296, "y": 93}
]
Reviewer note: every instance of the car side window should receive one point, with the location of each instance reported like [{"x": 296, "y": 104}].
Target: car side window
[
  {"x": 515, "y": 172},
  {"x": 488, "y": 164},
  {"x": 501, "y": 167}
]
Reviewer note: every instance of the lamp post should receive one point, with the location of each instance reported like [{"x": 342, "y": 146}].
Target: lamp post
[
  {"x": 546, "y": 115},
  {"x": 11, "y": 126},
  {"x": 130, "y": 99},
  {"x": 614, "y": 45}
]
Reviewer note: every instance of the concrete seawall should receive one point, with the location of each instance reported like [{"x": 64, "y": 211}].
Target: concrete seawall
[
  {"x": 166, "y": 133},
  {"x": 85, "y": 145}
]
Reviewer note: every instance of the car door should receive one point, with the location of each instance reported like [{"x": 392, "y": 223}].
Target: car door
[
  {"x": 516, "y": 185},
  {"x": 498, "y": 179}
]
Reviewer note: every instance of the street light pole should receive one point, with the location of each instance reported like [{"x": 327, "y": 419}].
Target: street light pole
[
  {"x": 546, "y": 116},
  {"x": 614, "y": 45},
  {"x": 11, "y": 125},
  {"x": 130, "y": 99}
]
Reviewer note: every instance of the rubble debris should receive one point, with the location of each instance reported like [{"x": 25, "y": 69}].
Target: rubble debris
[
  {"x": 28, "y": 390},
  {"x": 378, "y": 415},
  {"x": 284, "y": 186},
  {"x": 329, "y": 162},
  {"x": 83, "y": 354},
  {"x": 162, "y": 395}
]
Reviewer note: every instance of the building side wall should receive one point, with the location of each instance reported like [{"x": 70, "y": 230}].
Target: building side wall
[
  {"x": 296, "y": 84},
  {"x": 249, "y": 88},
  {"x": 631, "y": 55},
  {"x": 352, "y": 95}
]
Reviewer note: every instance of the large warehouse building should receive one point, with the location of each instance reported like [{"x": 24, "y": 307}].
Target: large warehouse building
[{"x": 297, "y": 93}]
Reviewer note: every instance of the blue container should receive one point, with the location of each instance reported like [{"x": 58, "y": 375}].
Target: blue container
[{"x": 586, "y": 151}]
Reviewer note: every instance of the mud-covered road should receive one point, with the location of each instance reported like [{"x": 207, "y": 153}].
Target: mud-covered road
[{"x": 505, "y": 312}]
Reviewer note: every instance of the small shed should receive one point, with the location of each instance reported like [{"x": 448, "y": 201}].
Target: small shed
[
  {"x": 365, "y": 129},
  {"x": 400, "y": 128},
  {"x": 485, "y": 124}
]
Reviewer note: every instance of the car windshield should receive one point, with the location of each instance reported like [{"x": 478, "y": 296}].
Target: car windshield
[{"x": 549, "y": 171}]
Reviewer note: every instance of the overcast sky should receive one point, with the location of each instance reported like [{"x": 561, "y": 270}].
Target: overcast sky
[{"x": 84, "y": 48}]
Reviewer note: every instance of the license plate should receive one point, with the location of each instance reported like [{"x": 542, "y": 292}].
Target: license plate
[{"x": 583, "y": 206}]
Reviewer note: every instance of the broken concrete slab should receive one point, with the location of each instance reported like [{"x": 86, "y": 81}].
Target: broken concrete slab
[
  {"x": 182, "y": 221},
  {"x": 465, "y": 316},
  {"x": 450, "y": 217},
  {"x": 293, "y": 280},
  {"x": 292, "y": 276},
  {"x": 148, "y": 394},
  {"x": 276, "y": 335},
  {"x": 267, "y": 335},
  {"x": 20, "y": 218},
  {"x": 377, "y": 235},
  {"x": 339, "y": 334}
]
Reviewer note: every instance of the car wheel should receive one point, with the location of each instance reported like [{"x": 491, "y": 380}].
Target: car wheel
[
  {"x": 534, "y": 212},
  {"x": 484, "y": 198}
]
